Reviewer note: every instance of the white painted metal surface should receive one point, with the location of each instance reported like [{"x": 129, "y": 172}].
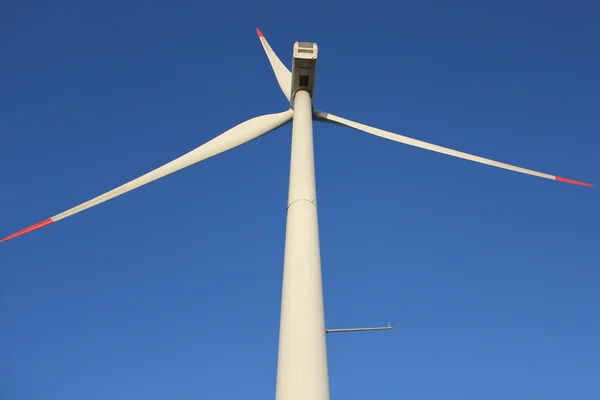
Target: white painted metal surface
[
  {"x": 234, "y": 137},
  {"x": 282, "y": 74},
  {"x": 302, "y": 371},
  {"x": 323, "y": 116},
  {"x": 304, "y": 68}
]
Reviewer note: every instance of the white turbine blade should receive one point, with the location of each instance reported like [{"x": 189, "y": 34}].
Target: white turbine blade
[
  {"x": 283, "y": 75},
  {"x": 326, "y": 117},
  {"x": 234, "y": 137}
]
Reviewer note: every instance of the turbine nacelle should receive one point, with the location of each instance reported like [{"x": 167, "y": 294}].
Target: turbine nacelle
[{"x": 304, "y": 66}]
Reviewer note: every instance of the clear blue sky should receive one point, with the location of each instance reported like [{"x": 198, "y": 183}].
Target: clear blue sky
[{"x": 173, "y": 291}]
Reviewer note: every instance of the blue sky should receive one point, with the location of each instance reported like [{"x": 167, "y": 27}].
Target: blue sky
[{"x": 172, "y": 291}]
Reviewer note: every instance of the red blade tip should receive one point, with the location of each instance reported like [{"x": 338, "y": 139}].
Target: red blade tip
[
  {"x": 558, "y": 178},
  {"x": 259, "y": 33},
  {"x": 29, "y": 229}
]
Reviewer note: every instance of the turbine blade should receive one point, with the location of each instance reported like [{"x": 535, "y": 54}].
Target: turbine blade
[
  {"x": 283, "y": 75},
  {"x": 326, "y": 117},
  {"x": 234, "y": 137}
]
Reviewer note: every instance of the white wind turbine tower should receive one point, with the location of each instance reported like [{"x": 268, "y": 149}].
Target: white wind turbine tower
[{"x": 302, "y": 371}]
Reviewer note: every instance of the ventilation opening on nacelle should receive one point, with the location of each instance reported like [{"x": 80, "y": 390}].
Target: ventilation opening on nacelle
[{"x": 303, "y": 77}]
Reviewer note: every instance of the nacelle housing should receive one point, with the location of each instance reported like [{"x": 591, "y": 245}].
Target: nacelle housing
[{"x": 304, "y": 66}]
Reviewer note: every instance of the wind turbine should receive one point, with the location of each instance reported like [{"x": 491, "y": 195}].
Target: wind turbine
[{"x": 302, "y": 370}]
